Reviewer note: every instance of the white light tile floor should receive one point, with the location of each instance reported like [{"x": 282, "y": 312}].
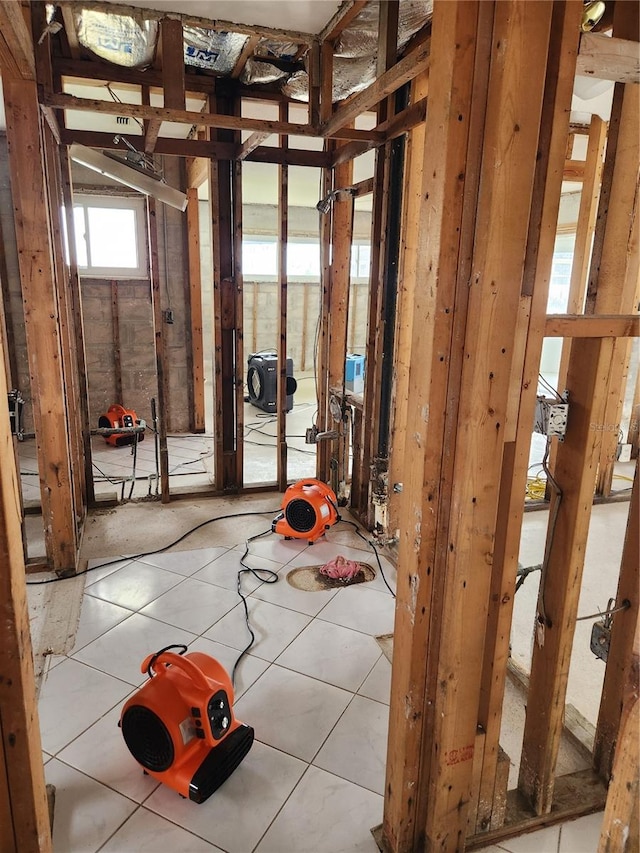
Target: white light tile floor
[{"x": 315, "y": 687}]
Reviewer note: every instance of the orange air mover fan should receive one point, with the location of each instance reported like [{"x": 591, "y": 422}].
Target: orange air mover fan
[
  {"x": 180, "y": 726},
  {"x": 117, "y": 417},
  {"x": 308, "y": 509}
]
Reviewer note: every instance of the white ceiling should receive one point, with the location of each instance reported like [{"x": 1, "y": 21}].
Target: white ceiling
[{"x": 307, "y": 16}]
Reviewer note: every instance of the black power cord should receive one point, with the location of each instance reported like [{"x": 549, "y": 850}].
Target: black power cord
[{"x": 157, "y": 551}]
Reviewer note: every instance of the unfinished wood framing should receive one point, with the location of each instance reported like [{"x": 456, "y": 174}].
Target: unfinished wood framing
[
  {"x": 42, "y": 320},
  {"x": 281, "y": 348},
  {"x": 160, "y": 352},
  {"x": 195, "y": 303},
  {"x": 470, "y": 220},
  {"x": 227, "y": 314},
  {"x": 24, "y": 816}
]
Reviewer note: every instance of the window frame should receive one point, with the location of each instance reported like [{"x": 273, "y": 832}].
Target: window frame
[{"x": 122, "y": 202}]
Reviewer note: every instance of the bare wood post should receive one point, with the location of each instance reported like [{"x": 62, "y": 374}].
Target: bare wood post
[
  {"x": 455, "y": 447},
  {"x": 406, "y": 293},
  {"x": 195, "y": 301},
  {"x": 621, "y": 821},
  {"x": 620, "y": 660},
  {"x": 227, "y": 324},
  {"x": 160, "y": 351},
  {"x": 341, "y": 236},
  {"x": 115, "y": 325},
  {"x": 76, "y": 302},
  {"x": 24, "y": 815},
  {"x": 322, "y": 361},
  {"x": 523, "y": 387},
  {"x": 239, "y": 312},
  {"x": 452, "y": 135},
  {"x": 37, "y": 273},
  {"x": 283, "y": 235}
]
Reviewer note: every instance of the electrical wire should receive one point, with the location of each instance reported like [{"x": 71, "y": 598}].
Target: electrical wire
[
  {"x": 371, "y": 544},
  {"x": 262, "y": 575},
  {"x": 541, "y": 609},
  {"x": 157, "y": 551},
  {"x": 626, "y": 604}
]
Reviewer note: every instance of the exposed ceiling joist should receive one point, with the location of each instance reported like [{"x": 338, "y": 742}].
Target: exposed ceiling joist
[
  {"x": 399, "y": 74},
  {"x": 274, "y": 33},
  {"x": 349, "y": 10}
]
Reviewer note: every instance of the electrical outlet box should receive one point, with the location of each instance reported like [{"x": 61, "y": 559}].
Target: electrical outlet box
[
  {"x": 310, "y": 436},
  {"x": 600, "y": 640},
  {"x": 551, "y": 417}
]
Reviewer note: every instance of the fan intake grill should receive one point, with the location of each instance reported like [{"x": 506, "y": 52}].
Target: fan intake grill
[
  {"x": 301, "y": 515},
  {"x": 148, "y": 739}
]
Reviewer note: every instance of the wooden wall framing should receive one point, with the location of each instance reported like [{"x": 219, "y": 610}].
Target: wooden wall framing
[{"x": 482, "y": 189}]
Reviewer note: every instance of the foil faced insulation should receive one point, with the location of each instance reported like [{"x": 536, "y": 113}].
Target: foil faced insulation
[
  {"x": 212, "y": 50},
  {"x": 128, "y": 40}
]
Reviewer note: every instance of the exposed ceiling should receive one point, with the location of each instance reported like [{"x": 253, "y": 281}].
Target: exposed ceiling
[{"x": 307, "y": 16}]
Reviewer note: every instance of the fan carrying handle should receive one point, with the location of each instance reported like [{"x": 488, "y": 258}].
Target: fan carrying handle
[{"x": 159, "y": 661}]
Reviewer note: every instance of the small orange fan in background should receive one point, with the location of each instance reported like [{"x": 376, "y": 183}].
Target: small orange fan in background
[
  {"x": 180, "y": 725},
  {"x": 309, "y": 507},
  {"x": 117, "y": 417}
]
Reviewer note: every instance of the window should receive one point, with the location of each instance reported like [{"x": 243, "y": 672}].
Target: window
[{"x": 110, "y": 236}]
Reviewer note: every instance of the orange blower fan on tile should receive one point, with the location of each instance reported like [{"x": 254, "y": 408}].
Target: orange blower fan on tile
[
  {"x": 309, "y": 507},
  {"x": 180, "y": 725},
  {"x": 119, "y": 418}
]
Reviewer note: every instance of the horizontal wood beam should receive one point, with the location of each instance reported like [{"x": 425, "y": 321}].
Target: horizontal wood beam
[
  {"x": 347, "y": 12},
  {"x": 202, "y": 148},
  {"x": 90, "y": 69},
  {"x": 592, "y": 326},
  {"x": 16, "y": 46},
  {"x": 224, "y": 122},
  {"x": 247, "y": 51},
  {"x": 609, "y": 58},
  {"x": 573, "y": 170},
  {"x": 391, "y": 128},
  {"x": 399, "y": 74},
  {"x": 274, "y": 33}
]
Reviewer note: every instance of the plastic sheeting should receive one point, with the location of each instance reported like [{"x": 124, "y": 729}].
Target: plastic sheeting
[
  {"x": 215, "y": 51},
  {"x": 127, "y": 40}
]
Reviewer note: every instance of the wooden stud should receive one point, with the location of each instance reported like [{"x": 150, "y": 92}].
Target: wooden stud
[
  {"x": 620, "y": 822},
  {"x": 115, "y": 325},
  {"x": 456, "y": 38},
  {"x": 407, "y": 284},
  {"x": 16, "y": 46},
  {"x": 239, "y": 310},
  {"x": 68, "y": 336},
  {"x": 522, "y": 397},
  {"x": 315, "y": 84},
  {"x": 70, "y": 32},
  {"x": 162, "y": 372},
  {"x": 226, "y": 320},
  {"x": 24, "y": 817},
  {"x": 76, "y": 304},
  {"x": 322, "y": 360},
  {"x": 326, "y": 81},
  {"x": 195, "y": 300},
  {"x": 37, "y": 274},
  {"x": 173, "y": 78},
  {"x": 620, "y": 660},
  {"x": 283, "y": 236},
  {"x": 563, "y": 564}
]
